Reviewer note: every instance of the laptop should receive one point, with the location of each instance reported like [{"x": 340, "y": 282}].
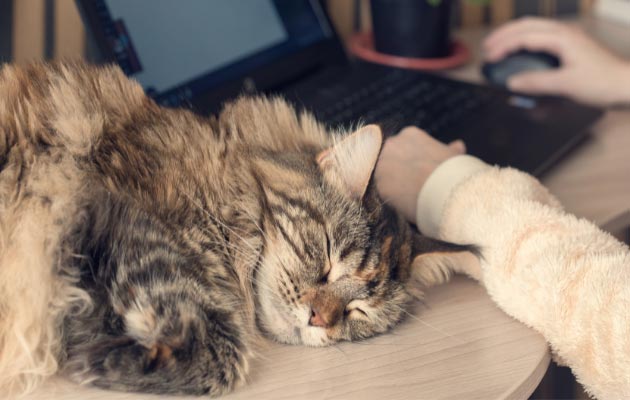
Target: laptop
[{"x": 201, "y": 53}]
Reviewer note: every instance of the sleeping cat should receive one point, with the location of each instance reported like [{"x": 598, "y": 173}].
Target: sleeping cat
[{"x": 150, "y": 249}]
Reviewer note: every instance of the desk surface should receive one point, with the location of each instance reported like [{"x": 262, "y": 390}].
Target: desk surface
[
  {"x": 458, "y": 344},
  {"x": 461, "y": 346}
]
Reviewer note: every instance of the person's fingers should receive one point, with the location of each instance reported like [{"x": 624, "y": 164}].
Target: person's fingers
[
  {"x": 539, "y": 82},
  {"x": 532, "y": 41},
  {"x": 520, "y": 27},
  {"x": 410, "y": 139},
  {"x": 458, "y": 146},
  {"x": 412, "y": 131}
]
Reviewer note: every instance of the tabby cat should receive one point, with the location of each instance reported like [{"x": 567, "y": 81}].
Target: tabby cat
[{"x": 150, "y": 249}]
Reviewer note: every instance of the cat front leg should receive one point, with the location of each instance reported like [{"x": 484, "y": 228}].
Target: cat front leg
[
  {"x": 434, "y": 261},
  {"x": 160, "y": 344},
  {"x": 167, "y": 315}
]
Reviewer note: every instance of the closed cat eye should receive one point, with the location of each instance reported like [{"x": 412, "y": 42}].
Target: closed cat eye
[
  {"x": 358, "y": 312},
  {"x": 324, "y": 278},
  {"x": 328, "y": 265},
  {"x": 328, "y": 247}
]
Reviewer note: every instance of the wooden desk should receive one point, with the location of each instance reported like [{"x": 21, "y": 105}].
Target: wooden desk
[{"x": 459, "y": 344}]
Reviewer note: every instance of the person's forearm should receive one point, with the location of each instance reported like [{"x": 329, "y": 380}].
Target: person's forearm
[{"x": 560, "y": 275}]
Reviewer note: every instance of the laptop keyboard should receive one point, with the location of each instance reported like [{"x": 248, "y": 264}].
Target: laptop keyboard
[
  {"x": 399, "y": 98},
  {"x": 493, "y": 127}
]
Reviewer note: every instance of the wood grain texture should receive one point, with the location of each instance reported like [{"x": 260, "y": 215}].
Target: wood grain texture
[
  {"x": 366, "y": 15},
  {"x": 341, "y": 15},
  {"x": 459, "y": 345},
  {"x": 586, "y": 6},
  {"x": 501, "y": 11},
  {"x": 471, "y": 14},
  {"x": 69, "y": 32},
  {"x": 28, "y": 31},
  {"x": 593, "y": 182},
  {"x": 547, "y": 7}
]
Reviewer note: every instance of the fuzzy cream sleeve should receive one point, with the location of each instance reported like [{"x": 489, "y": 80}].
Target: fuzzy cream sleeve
[{"x": 558, "y": 274}]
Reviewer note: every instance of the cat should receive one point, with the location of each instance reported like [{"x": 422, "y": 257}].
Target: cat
[{"x": 151, "y": 249}]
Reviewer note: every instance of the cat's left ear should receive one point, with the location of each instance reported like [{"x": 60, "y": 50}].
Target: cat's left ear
[{"x": 350, "y": 162}]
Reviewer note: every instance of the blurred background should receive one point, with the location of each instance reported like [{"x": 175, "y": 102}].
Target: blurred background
[{"x": 52, "y": 29}]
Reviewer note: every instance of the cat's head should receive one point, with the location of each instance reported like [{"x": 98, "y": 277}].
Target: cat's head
[{"x": 337, "y": 264}]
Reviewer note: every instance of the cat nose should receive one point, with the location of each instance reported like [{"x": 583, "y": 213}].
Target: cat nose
[
  {"x": 323, "y": 317},
  {"x": 317, "y": 319}
]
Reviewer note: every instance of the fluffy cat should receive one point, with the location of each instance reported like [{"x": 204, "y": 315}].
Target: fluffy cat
[{"x": 150, "y": 249}]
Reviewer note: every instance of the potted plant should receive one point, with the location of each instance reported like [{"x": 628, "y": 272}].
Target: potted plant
[{"x": 413, "y": 28}]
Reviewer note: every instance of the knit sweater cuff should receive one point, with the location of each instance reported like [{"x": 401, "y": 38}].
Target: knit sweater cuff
[{"x": 438, "y": 188}]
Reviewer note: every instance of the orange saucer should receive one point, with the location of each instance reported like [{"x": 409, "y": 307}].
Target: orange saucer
[{"x": 362, "y": 46}]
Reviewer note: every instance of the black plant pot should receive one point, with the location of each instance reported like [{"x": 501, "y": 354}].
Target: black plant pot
[{"x": 412, "y": 28}]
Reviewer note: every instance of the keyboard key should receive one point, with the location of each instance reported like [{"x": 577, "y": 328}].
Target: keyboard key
[{"x": 402, "y": 98}]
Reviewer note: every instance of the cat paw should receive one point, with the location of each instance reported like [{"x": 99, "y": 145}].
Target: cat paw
[{"x": 122, "y": 364}]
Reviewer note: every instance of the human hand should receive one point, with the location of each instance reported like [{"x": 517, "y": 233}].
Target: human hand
[
  {"x": 589, "y": 72},
  {"x": 406, "y": 162}
]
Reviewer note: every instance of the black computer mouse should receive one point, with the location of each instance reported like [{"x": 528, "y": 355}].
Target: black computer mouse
[{"x": 499, "y": 72}]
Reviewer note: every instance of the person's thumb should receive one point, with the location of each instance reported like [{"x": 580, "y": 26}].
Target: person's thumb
[{"x": 538, "y": 82}]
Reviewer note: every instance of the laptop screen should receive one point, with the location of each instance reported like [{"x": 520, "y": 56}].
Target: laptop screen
[{"x": 177, "y": 49}]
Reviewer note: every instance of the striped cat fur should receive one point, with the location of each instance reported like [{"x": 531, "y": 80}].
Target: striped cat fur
[{"x": 151, "y": 249}]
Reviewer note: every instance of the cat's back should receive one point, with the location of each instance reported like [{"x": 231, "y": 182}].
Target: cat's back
[
  {"x": 51, "y": 115},
  {"x": 273, "y": 124},
  {"x": 63, "y": 104}
]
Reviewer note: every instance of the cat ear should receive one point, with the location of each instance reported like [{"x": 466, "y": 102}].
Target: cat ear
[{"x": 350, "y": 162}]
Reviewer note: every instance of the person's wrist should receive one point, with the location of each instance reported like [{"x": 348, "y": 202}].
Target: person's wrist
[{"x": 438, "y": 187}]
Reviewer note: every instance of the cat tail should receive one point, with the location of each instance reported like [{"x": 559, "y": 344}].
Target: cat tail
[{"x": 34, "y": 290}]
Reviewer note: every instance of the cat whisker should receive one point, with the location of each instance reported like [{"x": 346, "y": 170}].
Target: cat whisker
[
  {"x": 237, "y": 250},
  {"x": 253, "y": 221},
  {"x": 217, "y": 221},
  {"x": 230, "y": 246}
]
